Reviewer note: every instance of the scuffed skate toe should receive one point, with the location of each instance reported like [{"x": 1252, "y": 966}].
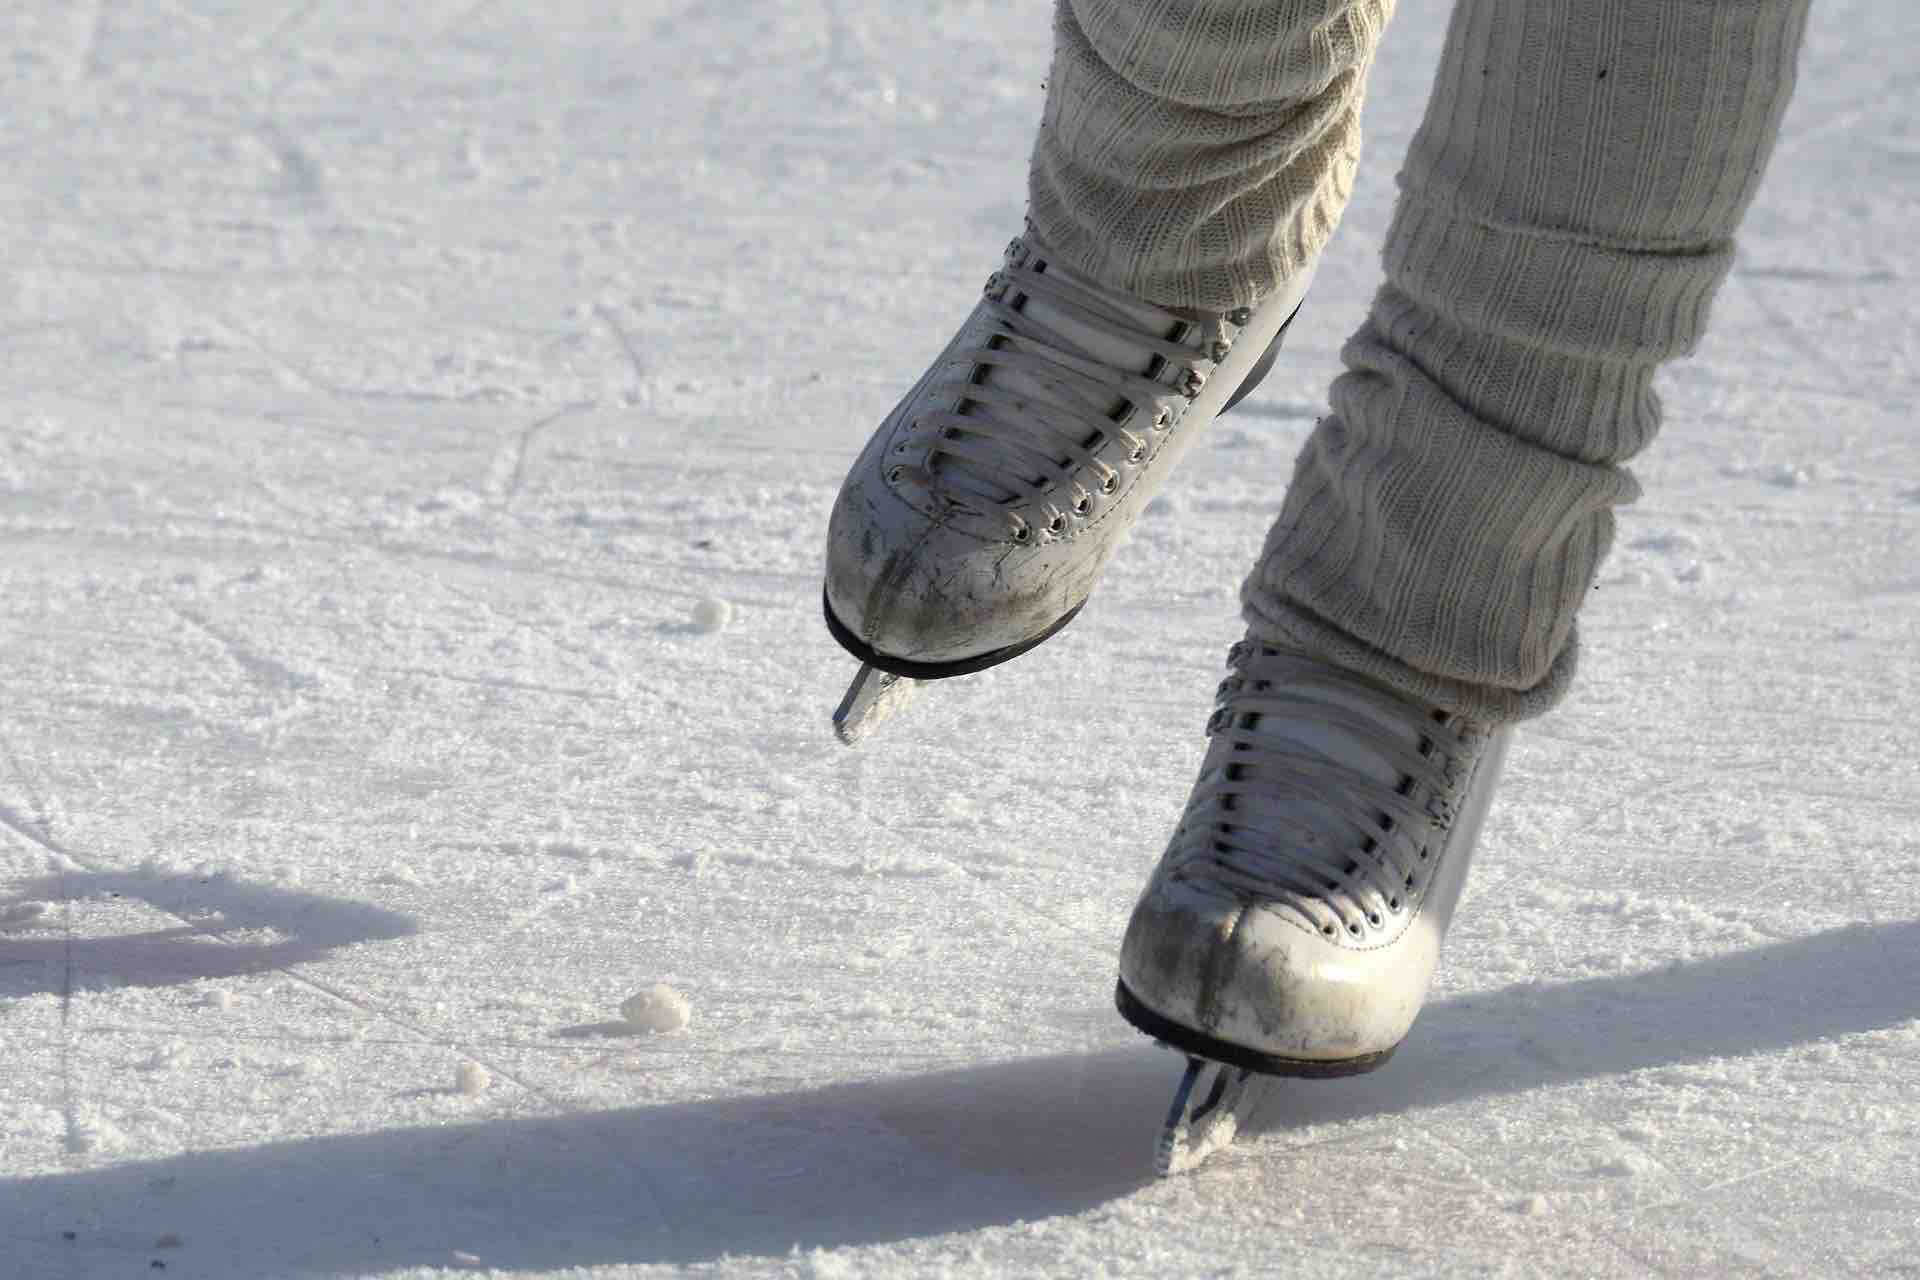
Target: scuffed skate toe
[
  {"x": 912, "y": 595},
  {"x": 1223, "y": 979}
]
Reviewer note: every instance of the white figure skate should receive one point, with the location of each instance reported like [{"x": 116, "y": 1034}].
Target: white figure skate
[
  {"x": 982, "y": 511},
  {"x": 1294, "y": 923}
]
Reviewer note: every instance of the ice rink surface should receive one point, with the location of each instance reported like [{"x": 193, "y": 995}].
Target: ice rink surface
[{"x": 419, "y": 424}]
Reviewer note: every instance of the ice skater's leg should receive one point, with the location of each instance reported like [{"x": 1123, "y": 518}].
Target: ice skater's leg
[
  {"x": 1196, "y": 152},
  {"x": 1566, "y": 216},
  {"x": 1193, "y": 158}
]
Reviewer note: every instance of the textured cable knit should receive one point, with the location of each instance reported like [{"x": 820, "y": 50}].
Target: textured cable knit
[
  {"x": 1566, "y": 216},
  {"x": 1196, "y": 152}
]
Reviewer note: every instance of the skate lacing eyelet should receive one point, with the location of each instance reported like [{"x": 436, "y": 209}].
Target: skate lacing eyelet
[
  {"x": 1191, "y": 381},
  {"x": 1162, "y": 418},
  {"x": 1218, "y": 351},
  {"x": 894, "y": 474},
  {"x": 1082, "y": 504},
  {"x": 1058, "y": 523},
  {"x": 1239, "y": 317}
]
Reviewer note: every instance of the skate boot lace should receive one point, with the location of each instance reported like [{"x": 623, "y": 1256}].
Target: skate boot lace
[
  {"x": 1329, "y": 802},
  {"x": 1045, "y": 425}
]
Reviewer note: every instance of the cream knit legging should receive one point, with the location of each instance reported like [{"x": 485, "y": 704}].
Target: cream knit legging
[{"x": 1566, "y": 216}]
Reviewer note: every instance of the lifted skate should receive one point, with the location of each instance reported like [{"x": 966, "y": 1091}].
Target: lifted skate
[{"x": 935, "y": 546}]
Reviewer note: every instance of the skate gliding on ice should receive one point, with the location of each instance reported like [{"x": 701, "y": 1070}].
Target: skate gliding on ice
[{"x": 1293, "y": 925}]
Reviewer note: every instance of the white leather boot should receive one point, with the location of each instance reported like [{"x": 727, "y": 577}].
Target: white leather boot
[
  {"x": 1295, "y": 921},
  {"x": 982, "y": 511}
]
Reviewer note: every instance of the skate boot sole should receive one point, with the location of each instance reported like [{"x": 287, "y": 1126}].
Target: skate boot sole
[
  {"x": 1198, "y": 1044},
  {"x": 937, "y": 670}
]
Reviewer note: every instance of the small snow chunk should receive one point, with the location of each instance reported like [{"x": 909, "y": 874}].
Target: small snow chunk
[
  {"x": 657, "y": 1009},
  {"x": 712, "y": 614},
  {"x": 472, "y": 1079},
  {"x": 1534, "y": 1207},
  {"x": 461, "y": 1258},
  {"x": 218, "y": 998}
]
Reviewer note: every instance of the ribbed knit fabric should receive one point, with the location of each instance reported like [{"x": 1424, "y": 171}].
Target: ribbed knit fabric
[
  {"x": 1195, "y": 152},
  {"x": 1566, "y": 216}
]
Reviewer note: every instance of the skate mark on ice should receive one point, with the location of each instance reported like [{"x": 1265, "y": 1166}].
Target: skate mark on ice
[
  {"x": 620, "y": 335},
  {"x": 301, "y": 181},
  {"x": 18, "y": 823},
  {"x": 272, "y": 675},
  {"x": 39, "y": 833},
  {"x": 1839, "y": 378},
  {"x": 461, "y": 21},
  {"x": 294, "y": 19},
  {"x": 507, "y": 473},
  {"x": 1816, "y": 275},
  {"x": 498, "y": 682},
  {"x": 1881, "y": 97},
  {"x": 90, "y": 62}
]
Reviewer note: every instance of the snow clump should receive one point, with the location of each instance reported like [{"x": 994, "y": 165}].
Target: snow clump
[
  {"x": 712, "y": 614},
  {"x": 657, "y": 1009}
]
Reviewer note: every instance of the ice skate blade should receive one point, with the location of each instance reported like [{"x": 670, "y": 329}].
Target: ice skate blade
[
  {"x": 1194, "y": 1131},
  {"x": 874, "y": 697}
]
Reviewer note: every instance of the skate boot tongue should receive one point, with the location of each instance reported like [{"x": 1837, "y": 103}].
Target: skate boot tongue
[
  {"x": 1318, "y": 789},
  {"x": 1097, "y": 342},
  {"x": 1060, "y": 382}
]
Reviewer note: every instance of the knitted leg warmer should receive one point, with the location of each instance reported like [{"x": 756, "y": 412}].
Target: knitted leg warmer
[{"x": 1566, "y": 216}]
